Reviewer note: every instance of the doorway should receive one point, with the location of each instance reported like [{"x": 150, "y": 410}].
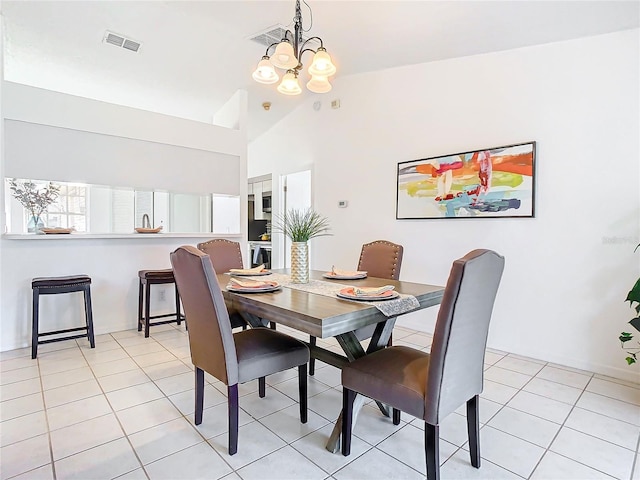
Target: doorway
[{"x": 296, "y": 194}]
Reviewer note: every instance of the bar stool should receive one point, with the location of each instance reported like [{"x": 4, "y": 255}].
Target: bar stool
[
  {"x": 53, "y": 286},
  {"x": 146, "y": 279}
]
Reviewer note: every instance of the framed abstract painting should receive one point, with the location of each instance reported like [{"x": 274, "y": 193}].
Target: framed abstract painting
[{"x": 487, "y": 183}]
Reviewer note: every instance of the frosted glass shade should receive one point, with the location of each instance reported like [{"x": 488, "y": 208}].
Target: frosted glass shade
[
  {"x": 322, "y": 64},
  {"x": 289, "y": 84},
  {"x": 284, "y": 56},
  {"x": 319, "y": 84},
  {"x": 265, "y": 73}
]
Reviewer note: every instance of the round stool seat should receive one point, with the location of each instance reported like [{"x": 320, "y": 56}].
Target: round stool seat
[{"x": 60, "y": 281}]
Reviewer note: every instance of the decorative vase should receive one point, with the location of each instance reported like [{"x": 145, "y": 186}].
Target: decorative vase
[
  {"x": 35, "y": 224},
  {"x": 299, "y": 262}
]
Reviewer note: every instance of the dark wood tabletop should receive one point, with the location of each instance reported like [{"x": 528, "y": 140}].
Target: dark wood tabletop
[{"x": 320, "y": 315}]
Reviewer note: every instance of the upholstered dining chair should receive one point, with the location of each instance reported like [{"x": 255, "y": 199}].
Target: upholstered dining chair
[
  {"x": 232, "y": 358},
  {"x": 431, "y": 386},
  {"x": 381, "y": 259},
  {"x": 225, "y": 255}
]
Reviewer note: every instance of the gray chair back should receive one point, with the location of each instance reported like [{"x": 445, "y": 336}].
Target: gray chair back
[
  {"x": 457, "y": 353},
  {"x": 210, "y": 339},
  {"x": 381, "y": 259},
  {"x": 224, "y": 254}
]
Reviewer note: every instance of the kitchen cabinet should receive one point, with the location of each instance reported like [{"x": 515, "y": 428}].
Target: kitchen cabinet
[
  {"x": 258, "y": 214},
  {"x": 257, "y": 189}
]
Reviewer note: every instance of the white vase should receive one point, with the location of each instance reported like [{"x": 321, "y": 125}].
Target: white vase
[{"x": 300, "y": 262}]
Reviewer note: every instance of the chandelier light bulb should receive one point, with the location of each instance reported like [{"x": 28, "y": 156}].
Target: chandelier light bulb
[
  {"x": 284, "y": 57},
  {"x": 319, "y": 84},
  {"x": 289, "y": 84},
  {"x": 322, "y": 64},
  {"x": 265, "y": 73}
]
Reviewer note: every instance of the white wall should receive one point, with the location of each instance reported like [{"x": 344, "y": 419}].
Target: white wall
[
  {"x": 113, "y": 264},
  {"x": 569, "y": 269},
  {"x": 46, "y": 107},
  {"x": 2, "y": 183},
  {"x": 64, "y": 154}
]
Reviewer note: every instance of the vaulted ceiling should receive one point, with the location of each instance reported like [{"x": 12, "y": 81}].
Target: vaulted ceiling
[{"x": 196, "y": 54}]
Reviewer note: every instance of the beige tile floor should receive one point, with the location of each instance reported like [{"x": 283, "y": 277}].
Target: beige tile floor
[{"x": 125, "y": 410}]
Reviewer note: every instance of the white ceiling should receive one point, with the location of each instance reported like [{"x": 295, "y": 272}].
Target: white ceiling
[{"x": 196, "y": 54}]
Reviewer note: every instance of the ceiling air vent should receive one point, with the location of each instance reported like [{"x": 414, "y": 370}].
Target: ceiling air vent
[
  {"x": 272, "y": 35},
  {"x": 120, "y": 41},
  {"x": 131, "y": 45}
]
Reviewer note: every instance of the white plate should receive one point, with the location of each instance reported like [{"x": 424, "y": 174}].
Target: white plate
[
  {"x": 348, "y": 296},
  {"x": 259, "y": 274},
  {"x": 253, "y": 289},
  {"x": 344, "y": 277}
]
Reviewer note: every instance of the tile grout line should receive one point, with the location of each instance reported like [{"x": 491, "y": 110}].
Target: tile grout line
[
  {"x": 205, "y": 440},
  {"x": 46, "y": 419},
  {"x": 566, "y": 403},
  {"x": 573, "y": 407},
  {"x": 547, "y": 449},
  {"x": 182, "y": 415},
  {"x": 485, "y": 424},
  {"x": 635, "y": 464},
  {"x": 113, "y": 411}
]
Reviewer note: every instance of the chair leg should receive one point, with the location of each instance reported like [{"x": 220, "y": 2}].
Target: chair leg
[
  {"x": 312, "y": 361},
  {"x": 140, "y": 302},
  {"x": 262, "y": 387},
  {"x": 178, "y": 316},
  {"x": 348, "y": 397},
  {"x": 147, "y": 309},
  {"x": 199, "y": 394},
  {"x": 432, "y": 450},
  {"x": 473, "y": 429},
  {"x": 302, "y": 391},
  {"x": 34, "y": 322},
  {"x": 232, "y": 393},
  {"x": 88, "y": 315},
  {"x": 396, "y": 416}
]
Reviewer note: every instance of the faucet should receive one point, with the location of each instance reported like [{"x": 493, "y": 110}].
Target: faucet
[{"x": 146, "y": 223}]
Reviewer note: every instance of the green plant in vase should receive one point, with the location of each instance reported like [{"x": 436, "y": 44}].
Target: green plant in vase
[
  {"x": 34, "y": 199},
  {"x": 301, "y": 226},
  {"x": 632, "y": 297}
]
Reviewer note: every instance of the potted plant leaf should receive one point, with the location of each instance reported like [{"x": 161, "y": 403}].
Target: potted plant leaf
[
  {"x": 35, "y": 199},
  {"x": 632, "y": 297},
  {"x": 301, "y": 226}
]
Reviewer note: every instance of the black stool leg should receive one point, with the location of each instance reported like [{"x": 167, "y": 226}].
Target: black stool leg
[
  {"x": 88, "y": 314},
  {"x": 147, "y": 301},
  {"x": 178, "y": 316},
  {"x": 34, "y": 325},
  {"x": 140, "y": 301}
]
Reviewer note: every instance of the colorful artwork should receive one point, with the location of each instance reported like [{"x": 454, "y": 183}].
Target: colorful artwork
[{"x": 496, "y": 182}]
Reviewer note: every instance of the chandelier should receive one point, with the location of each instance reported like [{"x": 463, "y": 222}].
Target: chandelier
[{"x": 288, "y": 56}]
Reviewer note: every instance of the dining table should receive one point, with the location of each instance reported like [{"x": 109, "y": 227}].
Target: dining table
[{"x": 316, "y": 309}]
